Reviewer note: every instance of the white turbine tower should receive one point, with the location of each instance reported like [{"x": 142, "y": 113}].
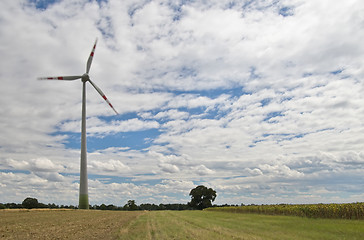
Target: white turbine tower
[{"x": 83, "y": 197}]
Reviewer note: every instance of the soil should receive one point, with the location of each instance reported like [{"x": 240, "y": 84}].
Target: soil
[{"x": 63, "y": 224}]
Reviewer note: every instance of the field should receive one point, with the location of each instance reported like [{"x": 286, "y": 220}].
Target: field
[
  {"x": 92, "y": 224},
  {"x": 63, "y": 224},
  {"x": 341, "y": 211}
]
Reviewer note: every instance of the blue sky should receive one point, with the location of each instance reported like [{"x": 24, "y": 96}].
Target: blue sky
[{"x": 260, "y": 100}]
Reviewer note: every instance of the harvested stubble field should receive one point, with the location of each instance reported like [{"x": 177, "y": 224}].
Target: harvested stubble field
[
  {"x": 92, "y": 224},
  {"x": 63, "y": 224}
]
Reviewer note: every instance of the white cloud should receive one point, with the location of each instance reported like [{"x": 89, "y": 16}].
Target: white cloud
[
  {"x": 178, "y": 185},
  {"x": 109, "y": 166},
  {"x": 36, "y": 165},
  {"x": 97, "y": 126},
  {"x": 169, "y": 168},
  {"x": 280, "y": 171},
  {"x": 172, "y": 114},
  {"x": 202, "y": 170},
  {"x": 241, "y": 93}
]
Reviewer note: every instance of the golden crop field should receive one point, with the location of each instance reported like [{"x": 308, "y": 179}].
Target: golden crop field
[
  {"x": 342, "y": 211},
  {"x": 163, "y": 225}
]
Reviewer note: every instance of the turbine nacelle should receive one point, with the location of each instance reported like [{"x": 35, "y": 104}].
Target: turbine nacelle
[{"x": 85, "y": 77}]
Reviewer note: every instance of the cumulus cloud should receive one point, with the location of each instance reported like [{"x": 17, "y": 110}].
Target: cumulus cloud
[
  {"x": 202, "y": 170},
  {"x": 109, "y": 166},
  {"x": 169, "y": 168},
  {"x": 100, "y": 127},
  {"x": 172, "y": 114},
  {"x": 36, "y": 165},
  {"x": 258, "y": 99}
]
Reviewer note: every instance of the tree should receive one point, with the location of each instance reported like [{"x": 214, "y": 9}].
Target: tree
[
  {"x": 131, "y": 206},
  {"x": 30, "y": 203},
  {"x": 201, "y": 197}
]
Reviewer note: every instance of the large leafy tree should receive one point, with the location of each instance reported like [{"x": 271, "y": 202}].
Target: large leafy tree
[
  {"x": 201, "y": 197},
  {"x": 30, "y": 203},
  {"x": 131, "y": 206}
]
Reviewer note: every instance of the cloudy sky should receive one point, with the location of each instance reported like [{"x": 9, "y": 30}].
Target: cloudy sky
[{"x": 262, "y": 100}]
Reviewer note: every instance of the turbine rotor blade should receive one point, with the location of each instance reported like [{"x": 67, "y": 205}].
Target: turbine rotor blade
[
  {"x": 60, "y": 78},
  {"x": 103, "y": 95},
  {"x": 89, "y": 61}
]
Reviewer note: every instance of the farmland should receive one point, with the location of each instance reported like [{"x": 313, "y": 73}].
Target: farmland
[
  {"x": 62, "y": 224},
  {"x": 342, "y": 211},
  {"x": 92, "y": 224}
]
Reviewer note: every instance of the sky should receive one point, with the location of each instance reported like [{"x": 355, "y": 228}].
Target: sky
[{"x": 261, "y": 100}]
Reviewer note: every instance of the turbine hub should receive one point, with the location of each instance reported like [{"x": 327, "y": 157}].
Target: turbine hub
[{"x": 85, "y": 77}]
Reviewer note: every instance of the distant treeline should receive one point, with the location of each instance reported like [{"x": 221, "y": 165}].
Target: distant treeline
[
  {"x": 39, "y": 205},
  {"x": 147, "y": 206},
  {"x": 150, "y": 207},
  {"x": 30, "y": 203}
]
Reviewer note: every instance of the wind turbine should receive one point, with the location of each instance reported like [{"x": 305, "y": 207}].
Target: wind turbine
[{"x": 83, "y": 195}]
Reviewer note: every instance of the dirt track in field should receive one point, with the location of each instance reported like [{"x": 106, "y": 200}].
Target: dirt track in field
[{"x": 63, "y": 224}]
